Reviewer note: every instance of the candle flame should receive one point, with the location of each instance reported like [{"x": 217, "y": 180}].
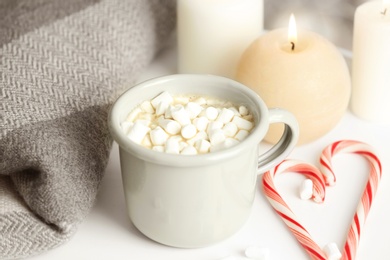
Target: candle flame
[{"x": 292, "y": 31}]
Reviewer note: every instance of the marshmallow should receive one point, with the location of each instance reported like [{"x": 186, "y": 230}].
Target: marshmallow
[
  {"x": 248, "y": 117},
  {"x": 200, "y": 123},
  {"x": 243, "y": 110},
  {"x": 187, "y": 124},
  {"x": 332, "y": 251},
  {"x": 170, "y": 126},
  {"x": 181, "y": 115},
  {"x": 214, "y": 125},
  {"x": 230, "y": 129},
  {"x": 168, "y": 112},
  {"x": 126, "y": 125},
  {"x": 241, "y": 135},
  {"x": 217, "y": 136},
  {"x": 201, "y": 101},
  {"x": 133, "y": 114},
  {"x": 158, "y": 148},
  {"x": 163, "y": 97},
  {"x": 146, "y": 116},
  {"x": 182, "y": 145},
  {"x": 158, "y": 136},
  {"x": 198, "y": 136},
  {"x": 147, "y": 107},
  {"x": 147, "y": 142},
  {"x": 188, "y": 131},
  {"x": 202, "y": 145},
  {"x": 193, "y": 109},
  {"x": 143, "y": 121},
  {"x": 189, "y": 150},
  {"x": 225, "y": 115},
  {"x": 211, "y": 113},
  {"x": 138, "y": 132},
  {"x": 256, "y": 252},
  {"x": 235, "y": 110},
  {"x": 181, "y": 100},
  {"x": 306, "y": 189},
  {"x": 172, "y": 146},
  {"x": 161, "y": 108},
  {"x": 242, "y": 123}
]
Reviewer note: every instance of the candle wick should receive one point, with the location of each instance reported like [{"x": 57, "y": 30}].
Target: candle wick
[
  {"x": 292, "y": 46},
  {"x": 384, "y": 11}
]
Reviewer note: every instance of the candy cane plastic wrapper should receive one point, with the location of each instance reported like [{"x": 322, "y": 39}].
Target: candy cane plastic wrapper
[
  {"x": 319, "y": 181},
  {"x": 284, "y": 211},
  {"x": 365, "y": 150}
]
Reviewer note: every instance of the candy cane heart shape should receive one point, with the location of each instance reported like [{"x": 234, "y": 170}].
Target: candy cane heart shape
[
  {"x": 284, "y": 211},
  {"x": 365, "y": 150}
]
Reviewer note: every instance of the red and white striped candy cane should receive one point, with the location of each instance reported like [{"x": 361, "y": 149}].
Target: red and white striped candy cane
[
  {"x": 284, "y": 211},
  {"x": 327, "y": 177},
  {"x": 349, "y": 146}
]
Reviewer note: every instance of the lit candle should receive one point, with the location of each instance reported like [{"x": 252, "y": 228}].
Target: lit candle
[
  {"x": 371, "y": 62},
  {"x": 301, "y": 72},
  {"x": 213, "y": 34}
]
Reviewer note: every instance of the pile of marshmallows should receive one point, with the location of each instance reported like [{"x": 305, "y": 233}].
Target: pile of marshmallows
[{"x": 187, "y": 124}]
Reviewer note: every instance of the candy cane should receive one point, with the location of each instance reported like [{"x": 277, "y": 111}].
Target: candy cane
[
  {"x": 348, "y": 146},
  {"x": 284, "y": 211},
  {"x": 319, "y": 180}
]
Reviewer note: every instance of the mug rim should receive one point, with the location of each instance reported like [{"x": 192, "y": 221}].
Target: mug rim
[{"x": 180, "y": 160}]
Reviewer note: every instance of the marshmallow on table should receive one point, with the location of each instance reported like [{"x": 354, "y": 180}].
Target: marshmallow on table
[
  {"x": 256, "y": 252},
  {"x": 306, "y": 189}
]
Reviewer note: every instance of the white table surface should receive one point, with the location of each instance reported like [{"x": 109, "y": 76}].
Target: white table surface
[{"x": 107, "y": 233}]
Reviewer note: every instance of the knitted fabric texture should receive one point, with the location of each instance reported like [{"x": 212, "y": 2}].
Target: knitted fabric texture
[{"x": 62, "y": 64}]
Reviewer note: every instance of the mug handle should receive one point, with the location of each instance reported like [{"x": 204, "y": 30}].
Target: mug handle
[{"x": 284, "y": 146}]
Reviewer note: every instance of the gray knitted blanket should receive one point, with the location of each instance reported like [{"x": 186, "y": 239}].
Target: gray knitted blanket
[{"x": 62, "y": 63}]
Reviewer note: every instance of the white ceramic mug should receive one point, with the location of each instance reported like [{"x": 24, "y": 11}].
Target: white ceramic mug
[{"x": 196, "y": 200}]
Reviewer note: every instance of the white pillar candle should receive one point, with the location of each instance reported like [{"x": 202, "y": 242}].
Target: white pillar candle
[
  {"x": 371, "y": 62},
  {"x": 213, "y": 34},
  {"x": 304, "y": 73}
]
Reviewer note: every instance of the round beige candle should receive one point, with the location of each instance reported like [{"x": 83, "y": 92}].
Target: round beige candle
[{"x": 305, "y": 74}]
